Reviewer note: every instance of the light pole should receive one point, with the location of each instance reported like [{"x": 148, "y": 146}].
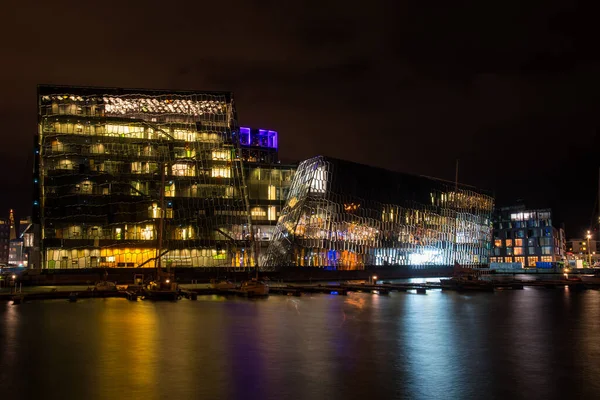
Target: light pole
[{"x": 589, "y": 236}]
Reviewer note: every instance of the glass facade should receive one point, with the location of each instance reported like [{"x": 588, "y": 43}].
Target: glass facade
[
  {"x": 119, "y": 171},
  {"x": 344, "y": 215}
]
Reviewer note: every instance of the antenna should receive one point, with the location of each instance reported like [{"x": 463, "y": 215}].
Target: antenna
[{"x": 456, "y": 177}]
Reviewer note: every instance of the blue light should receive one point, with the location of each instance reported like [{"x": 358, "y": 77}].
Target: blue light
[
  {"x": 245, "y": 136},
  {"x": 250, "y": 137},
  {"x": 35, "y": 203},
  {"x": 334, "y": 292}
]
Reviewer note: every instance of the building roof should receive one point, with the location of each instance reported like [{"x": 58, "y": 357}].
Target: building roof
[
  {"x": 46, "y": 89},
  {"x": 367, "y": 173}
]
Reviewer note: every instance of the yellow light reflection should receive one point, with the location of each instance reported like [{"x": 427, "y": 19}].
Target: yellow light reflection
[{"x": 128, "y": 339}]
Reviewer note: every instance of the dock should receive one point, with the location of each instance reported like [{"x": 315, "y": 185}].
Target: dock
[{"x": 134, "y": 293}]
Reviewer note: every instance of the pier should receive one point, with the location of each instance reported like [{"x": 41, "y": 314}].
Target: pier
[{"x": 135, "y": 293}]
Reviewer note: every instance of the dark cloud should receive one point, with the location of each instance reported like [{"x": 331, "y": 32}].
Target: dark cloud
[{"x": 508, "y": 87}]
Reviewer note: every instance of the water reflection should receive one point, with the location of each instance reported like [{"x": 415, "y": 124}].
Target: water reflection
[
  {"x": 534, "y": 342},
  {"x": 128, "y": 338},
  {"x": 9, "y": 334}
]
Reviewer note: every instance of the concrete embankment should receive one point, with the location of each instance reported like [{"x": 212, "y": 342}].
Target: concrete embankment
[{"x": 188, "y": 275}]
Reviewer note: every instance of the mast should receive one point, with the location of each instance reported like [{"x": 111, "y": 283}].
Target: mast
[
  {"x": 456, "y": 177},
  {"x": 161, "y": 222},
  {"x": 256, "y": 254}
]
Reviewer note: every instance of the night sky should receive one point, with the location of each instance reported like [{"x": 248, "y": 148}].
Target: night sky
[{"x": 511, "y": 90}]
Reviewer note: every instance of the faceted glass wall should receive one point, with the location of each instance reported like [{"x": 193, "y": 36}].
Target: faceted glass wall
[{"x": 350, "y": 216}]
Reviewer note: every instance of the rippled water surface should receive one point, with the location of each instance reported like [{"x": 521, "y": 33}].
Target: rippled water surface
[{"x": 533, "y": 343}]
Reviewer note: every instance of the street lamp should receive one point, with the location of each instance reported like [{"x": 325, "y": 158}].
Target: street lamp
[{"x": 589, "y": 236}]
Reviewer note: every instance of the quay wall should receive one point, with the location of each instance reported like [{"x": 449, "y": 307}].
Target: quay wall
[{"x": 203, "y": 275}]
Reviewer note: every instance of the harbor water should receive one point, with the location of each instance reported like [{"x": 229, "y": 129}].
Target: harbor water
[{"x": 532, "y": 343}]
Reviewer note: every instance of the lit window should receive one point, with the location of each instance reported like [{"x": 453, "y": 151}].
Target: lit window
[
  {"x": 509, "y": 243},
  {"x": 221, "y": 173},
  {"x": 272, "y": 213},
  {"x": 318, "y": 183},
  {"x": 498, "y": 242},
  {"x": 148, "y": 232},
  {"x": 65, "y": 164},
  {"x": 520, "y": 260},
  {"x": 183, "y": 170},
  {"x": 532, "y": 261},
  {"x": 519, "y": 242},
  {"x": 258, "y": 212},
  {"x": 221, "y": 155},
  {"x": 272, "y": 193},
  {"x": 154, "y": 211},
  {"x": 170, "y": 189}
]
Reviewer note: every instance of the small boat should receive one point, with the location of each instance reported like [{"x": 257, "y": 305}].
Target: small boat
[
  {"x": 467, "y": 279},
  {"x": 222, "y": 285},
  {"x": 461, "y": 284},
  {"x": 105, "y": 286},
  {"x": 590, "y": 279},
  {"x": 160, "y": 290},
  {"x": 254, "y": 287}
]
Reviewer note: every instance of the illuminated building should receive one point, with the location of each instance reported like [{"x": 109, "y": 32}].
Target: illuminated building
[
  {"x": 526, "y": 237},
  {"x": 18, "y": 254},
  {"x": 23, "y": 225},
  {"x": 342, "y": 215},
  {"x": 268, "y": 183},
  {"x": 583, "y": 249},
  {"x": 111, "y": 162},
  {"x": 4, "y": 241}
]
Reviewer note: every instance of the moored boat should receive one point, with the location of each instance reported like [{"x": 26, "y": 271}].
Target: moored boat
[
  {"x": 254, "y": 287},
  {"x": 222, "y": 285},
  {"x": 105, "y": 286},
  {"x": 590, "y": 279},
  {"x": 162, "y": 290},
  {"x": 467, "y": 279}
]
